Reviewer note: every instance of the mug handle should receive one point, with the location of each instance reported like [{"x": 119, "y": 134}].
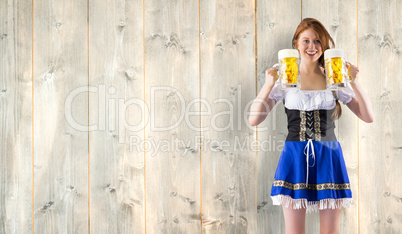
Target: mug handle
[
  {"x": 277, "y": 66},
  {"x": 345, "y": 72}
]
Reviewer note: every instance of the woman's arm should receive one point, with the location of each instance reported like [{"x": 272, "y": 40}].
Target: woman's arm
[
  {"x": 361, "y": 105},
  {"x": 262, "y": 104}
]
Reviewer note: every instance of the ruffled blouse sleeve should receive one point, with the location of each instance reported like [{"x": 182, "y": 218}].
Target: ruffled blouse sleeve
[
  {"x": 346, "y": 94},
  {"x": 277, "y": 92}
]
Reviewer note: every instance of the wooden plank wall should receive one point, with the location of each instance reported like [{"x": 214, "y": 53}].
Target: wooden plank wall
[
  {"x": 85, "y": 87},
  {"x": 380, "y": 27},
  {"x": 229, "y": 178},
  {"x": 173, "y": 202},
  {"x": 15, "y": 117},
  {"x": 60, "y": 157},
  {"x": 116, "y": 170}
]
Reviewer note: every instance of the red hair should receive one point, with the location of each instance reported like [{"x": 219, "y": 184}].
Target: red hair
[{"x": 320, "y": 31}]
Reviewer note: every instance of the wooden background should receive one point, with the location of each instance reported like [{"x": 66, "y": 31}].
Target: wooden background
[{"x": 86, "y": 88}]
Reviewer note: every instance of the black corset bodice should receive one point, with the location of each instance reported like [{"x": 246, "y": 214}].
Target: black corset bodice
[{"x": 315, "y": 125}]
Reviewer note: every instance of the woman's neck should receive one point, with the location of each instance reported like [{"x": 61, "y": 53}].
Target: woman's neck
[
  {"x": 310, "y": 68},
  {"x": 312, "y": 76}
]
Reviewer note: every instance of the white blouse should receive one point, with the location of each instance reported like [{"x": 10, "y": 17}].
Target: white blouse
[{"x": 308, "y": 100}]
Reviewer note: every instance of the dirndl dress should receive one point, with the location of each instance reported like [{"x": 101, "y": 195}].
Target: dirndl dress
[{"x": 311, "y": 171}]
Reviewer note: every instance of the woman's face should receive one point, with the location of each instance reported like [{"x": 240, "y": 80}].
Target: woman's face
[{"x": 309, "y": 46}]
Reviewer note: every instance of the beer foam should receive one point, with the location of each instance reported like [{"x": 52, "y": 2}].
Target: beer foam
[
  {"x": 286, "y": 53},
  {"x": 334, "y": 53}
]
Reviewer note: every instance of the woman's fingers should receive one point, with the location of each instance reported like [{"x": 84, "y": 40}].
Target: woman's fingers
[
  {"x": 353, "y": 71},
  {"x": 271, "y": 75}
]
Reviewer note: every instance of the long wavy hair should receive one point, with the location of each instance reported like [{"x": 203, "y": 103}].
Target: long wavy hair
[{"x": 325, "y": 40}]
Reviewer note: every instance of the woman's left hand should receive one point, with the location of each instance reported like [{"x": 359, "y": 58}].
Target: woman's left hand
[{"x": 353, "y": 71}]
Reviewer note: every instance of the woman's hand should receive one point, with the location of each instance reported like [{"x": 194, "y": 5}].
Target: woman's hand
[
  {"x": 353, "y": 71},
  {"x": 361, "y": 105},
  {"x": 262, "y": 104},
  {"x": 271, "y": 75}
]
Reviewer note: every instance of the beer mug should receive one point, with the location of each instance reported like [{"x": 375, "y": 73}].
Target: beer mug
[
  {"x": 335, "y": 69},
  {"x": 288, "y": 68}
]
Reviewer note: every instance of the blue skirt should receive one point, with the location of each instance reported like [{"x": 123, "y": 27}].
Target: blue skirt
[{"x": 311, "y": 175}]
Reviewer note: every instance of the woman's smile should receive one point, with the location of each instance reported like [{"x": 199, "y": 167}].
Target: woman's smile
[{"x": 309, "y": 45}]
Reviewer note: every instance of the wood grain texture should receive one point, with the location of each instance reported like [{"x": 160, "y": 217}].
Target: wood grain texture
[
  {"x": 274, "y": 33},
  {"x": 380, "y": 27},
  {"x": 15, "y": 117},
  {"x": 116, "y": 109},
  {"x": 229, "y": 165},
  {"x": 172, "y": 89},
  {"x": 61, "y": 150},
  {"x": 340, "y": 20},
  {"x": 162, "y": 194}
]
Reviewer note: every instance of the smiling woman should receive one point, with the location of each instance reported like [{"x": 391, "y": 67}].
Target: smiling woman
[
  {"x": 312, "y": 39},
  {"x": 311, "y": 174}
]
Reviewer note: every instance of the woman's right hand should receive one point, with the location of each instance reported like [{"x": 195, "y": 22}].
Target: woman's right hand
[
  {"x": 262, "y": 104},
  {"x": 271, "y": 75}
]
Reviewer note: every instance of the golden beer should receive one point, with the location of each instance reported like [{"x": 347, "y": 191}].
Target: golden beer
[
  {"x": 335, "y": 69},
  {"x": 288, "y": 68}
]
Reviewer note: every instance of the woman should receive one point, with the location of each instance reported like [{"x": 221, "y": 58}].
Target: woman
[{"x": 311, "y": 172}]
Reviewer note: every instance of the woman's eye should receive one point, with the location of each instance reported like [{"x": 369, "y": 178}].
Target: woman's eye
[
  {"x": 317, "y": 41},
  {"x": 305, "y": 41}
]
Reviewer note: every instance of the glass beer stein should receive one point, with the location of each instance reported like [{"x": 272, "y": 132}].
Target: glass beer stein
[
  {"x": 288, "y": 68},
  {"x": 335, "y": 69}
]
